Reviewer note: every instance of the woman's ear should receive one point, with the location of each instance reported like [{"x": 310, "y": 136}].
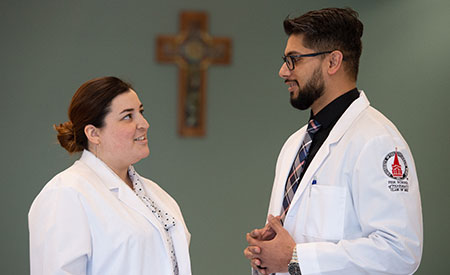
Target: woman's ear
[
  {"x": 92, "y": 133},
  {"x": 335, "y": 62}
]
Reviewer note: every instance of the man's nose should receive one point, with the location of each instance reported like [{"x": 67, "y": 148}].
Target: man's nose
[{"x": 284, "y": 71}]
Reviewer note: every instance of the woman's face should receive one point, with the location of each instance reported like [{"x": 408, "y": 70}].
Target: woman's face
[{"x": 123, "y": 138}]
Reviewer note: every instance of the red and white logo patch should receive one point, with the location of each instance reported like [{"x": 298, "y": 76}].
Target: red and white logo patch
[{"x": 395, "y": 167}]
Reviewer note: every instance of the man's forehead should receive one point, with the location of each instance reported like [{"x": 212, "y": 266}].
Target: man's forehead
[{"x": 295, "y": 45}]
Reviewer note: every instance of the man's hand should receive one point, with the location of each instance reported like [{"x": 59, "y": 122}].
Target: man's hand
[
  {"x": 264, "y": 234},
  {"x": 251, "y": 252},
  {"x": 272, "y": 254}
]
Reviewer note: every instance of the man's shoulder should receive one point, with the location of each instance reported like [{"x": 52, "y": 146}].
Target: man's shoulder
[{"x": 373, "y": 122}]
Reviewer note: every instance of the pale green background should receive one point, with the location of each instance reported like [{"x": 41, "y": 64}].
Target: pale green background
[{"x": 222, "y": 181}]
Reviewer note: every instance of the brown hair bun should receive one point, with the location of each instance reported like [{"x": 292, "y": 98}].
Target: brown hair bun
[{"x": 66, "y": 137}]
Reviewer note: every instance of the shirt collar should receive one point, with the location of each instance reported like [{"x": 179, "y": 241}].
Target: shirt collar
[
  {"x": 134, "y": 177},
  {"x": 333, "y": 111}
]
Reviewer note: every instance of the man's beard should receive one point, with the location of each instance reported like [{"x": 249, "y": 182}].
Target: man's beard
[{"x": 312, "y": 90}]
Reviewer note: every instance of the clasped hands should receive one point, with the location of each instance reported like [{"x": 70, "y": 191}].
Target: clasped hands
[{"x": 270, "y": 248}]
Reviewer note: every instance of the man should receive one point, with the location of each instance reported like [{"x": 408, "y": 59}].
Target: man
[{"x": 345, "y": 198}]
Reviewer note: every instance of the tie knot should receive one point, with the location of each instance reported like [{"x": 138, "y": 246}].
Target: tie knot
[{"x": 313, "y": 126}]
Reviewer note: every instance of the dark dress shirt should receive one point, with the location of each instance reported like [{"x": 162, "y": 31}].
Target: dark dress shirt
[{"x": 328, "y": 117}]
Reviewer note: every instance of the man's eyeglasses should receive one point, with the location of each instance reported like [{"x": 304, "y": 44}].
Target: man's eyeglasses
[{"x": 291, "y": 59}]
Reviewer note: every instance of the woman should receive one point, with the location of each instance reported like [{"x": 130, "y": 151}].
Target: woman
[{"x": 99, "y": 216}]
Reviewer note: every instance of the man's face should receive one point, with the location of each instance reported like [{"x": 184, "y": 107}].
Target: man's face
[{"x": 305, "y": 82}]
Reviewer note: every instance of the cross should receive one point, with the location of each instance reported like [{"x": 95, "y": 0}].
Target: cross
[{"x": 193, "y": 50}]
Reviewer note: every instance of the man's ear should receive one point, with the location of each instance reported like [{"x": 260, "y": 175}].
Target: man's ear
[
  {"x": 335, "y": 62},
  {"x": 92, "y": 133}
]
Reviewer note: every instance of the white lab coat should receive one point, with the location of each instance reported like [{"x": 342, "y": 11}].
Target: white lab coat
[
  {"x": 86, "y": 220},
  {"x": 344, "y": 217}
]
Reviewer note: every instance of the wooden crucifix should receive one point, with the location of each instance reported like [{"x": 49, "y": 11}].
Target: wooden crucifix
[{"x": 193, "y": 50}]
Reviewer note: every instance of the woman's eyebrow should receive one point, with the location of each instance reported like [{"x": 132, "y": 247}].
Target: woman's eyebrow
[
  {"x": 131, "y": 109},
  {"x": 127, "y": 110}
]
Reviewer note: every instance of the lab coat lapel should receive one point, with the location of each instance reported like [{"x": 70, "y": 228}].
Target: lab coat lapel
[
  {"x": 180, "y": 242},
  {"x": 123, "y": 193},
  {"x": 342, "y": 125},
  {"x": 128, "y": 197},
  {"x": 118, "y": 188},
  {"x": 182, "y": 249},
  {"x": 290, "y": 152}
]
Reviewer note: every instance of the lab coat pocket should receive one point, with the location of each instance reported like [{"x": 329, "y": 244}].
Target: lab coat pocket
[{"x": 325, "y": 214}]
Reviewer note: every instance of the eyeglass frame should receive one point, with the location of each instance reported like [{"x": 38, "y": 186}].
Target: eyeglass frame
[{"x": 295, "y": 57}]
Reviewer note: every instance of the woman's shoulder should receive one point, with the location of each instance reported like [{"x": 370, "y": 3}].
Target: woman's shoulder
[
  {"x": 71, "y": 178},
  {"x": 63, "y": 188}
]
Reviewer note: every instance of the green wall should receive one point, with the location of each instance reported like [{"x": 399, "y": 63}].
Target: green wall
[{"x": 222, "y": 181}]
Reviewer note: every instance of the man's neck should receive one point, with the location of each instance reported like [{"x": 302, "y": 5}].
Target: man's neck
[{"x": 332, "y": 92}]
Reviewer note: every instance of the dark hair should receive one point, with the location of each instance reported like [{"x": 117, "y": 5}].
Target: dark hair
[
  {"x": 331, "y": 29},
  {"x": 90, "y": 104}
]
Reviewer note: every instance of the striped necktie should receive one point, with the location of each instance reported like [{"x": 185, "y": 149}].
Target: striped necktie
[{"x": 297, "y": 167}]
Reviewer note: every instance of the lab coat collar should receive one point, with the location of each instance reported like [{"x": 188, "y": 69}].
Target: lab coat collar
[
  {"x": 344, "y": 123},
  {"x": 338, "y": 131},
  {"x": 118, "y": 187},
  {"x": 110, "y": 179},
  {"x": 125, "y": 194}
]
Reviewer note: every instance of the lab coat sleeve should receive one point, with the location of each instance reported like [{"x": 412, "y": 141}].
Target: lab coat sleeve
[
  {"x": 391, "y": 222},
  {"x": 59, "y": 233}
]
